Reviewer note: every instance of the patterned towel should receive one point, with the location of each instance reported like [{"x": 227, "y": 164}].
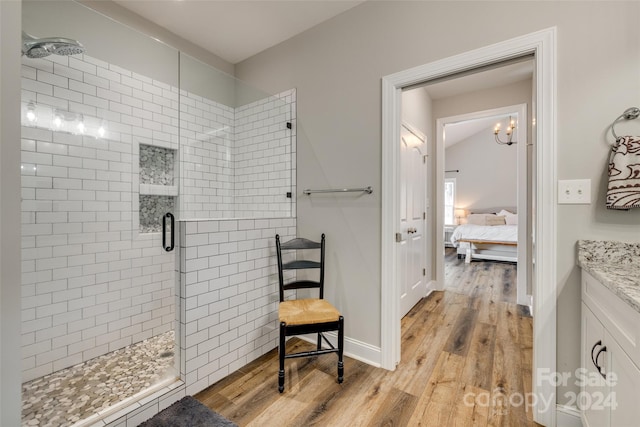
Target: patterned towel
[{"x": 623, "y": 191}]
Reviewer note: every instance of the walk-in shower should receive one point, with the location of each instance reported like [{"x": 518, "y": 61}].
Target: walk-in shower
[{"x": 114, "y": 326}]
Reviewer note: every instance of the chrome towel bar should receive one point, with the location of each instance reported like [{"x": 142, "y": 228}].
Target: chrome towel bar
[{"x": 367, "y": 190}]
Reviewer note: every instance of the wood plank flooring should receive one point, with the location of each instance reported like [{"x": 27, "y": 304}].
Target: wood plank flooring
[{"x": 465, "y": 352}]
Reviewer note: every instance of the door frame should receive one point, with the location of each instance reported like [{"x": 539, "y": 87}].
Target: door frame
[
  {"x": 521, "y": 201},
  {"x": 542, "y": 44}
]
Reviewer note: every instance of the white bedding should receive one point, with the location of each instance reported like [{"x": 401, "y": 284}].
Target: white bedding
[{"x": 503, "y": 233}]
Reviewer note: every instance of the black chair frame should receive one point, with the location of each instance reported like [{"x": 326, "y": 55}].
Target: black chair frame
[{"x": 319, "y": 328}]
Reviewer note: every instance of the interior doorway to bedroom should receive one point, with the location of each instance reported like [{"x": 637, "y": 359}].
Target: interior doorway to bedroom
[
  {"x": 474, "y": 172},
  {"x": 474, "y": 176},
  {"x": 486, "y": 191},
  {"x": 541, "y": 46}
]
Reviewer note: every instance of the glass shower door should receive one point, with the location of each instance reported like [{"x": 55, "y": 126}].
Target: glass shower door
[
  {"x": 98, "y": 287},
  {"x": 236, "y": 151}
]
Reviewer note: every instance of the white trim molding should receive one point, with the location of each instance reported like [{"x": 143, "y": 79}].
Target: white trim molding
[
  {"x": 353, "y": 348},
  {"x": 542, "y": 45},
  {"x": 568, "y": 416}
]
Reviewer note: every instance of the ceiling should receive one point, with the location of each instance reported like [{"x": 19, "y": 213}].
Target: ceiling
[{"x": 237, "y": 29}]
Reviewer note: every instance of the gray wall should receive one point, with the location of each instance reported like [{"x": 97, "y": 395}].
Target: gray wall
[
  {"x": 486, "y": 99},
  {"x": 133, "y": 43},
  {"x": 130, "y": 19},
  {"x": 9, "y": 214},
  {"x": 487, "y": 176},
  {"x": 103, "y": 38},
  {"x": 488, "y": 172},
  {"x": 136, "y": 48},
  {"x": 337, "y": 66}
]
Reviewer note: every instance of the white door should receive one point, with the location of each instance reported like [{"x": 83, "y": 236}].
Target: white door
[{"x": 412, "y": 250}]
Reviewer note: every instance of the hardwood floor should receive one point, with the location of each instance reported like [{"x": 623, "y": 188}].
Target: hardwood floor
[{"x": 466, "y": 361}]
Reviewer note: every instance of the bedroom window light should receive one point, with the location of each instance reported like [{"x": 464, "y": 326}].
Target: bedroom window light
[{"x": 449, "y": 201}]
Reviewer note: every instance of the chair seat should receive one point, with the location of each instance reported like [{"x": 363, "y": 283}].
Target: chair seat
[{"x": 307, "y": 311}]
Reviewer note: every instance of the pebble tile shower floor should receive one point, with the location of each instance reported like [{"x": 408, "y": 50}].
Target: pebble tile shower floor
[{"x": 70, "y": 395}]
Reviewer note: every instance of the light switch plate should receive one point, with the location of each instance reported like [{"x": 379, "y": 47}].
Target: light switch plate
[{"x": 574, "y": 191}]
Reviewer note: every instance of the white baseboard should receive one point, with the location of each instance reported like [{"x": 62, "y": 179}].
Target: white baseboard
[
  {"x": 353, "y": 348},
  {"x": 526, "y": 300},
  {"x": 432, "y": 285},
  {"x": 568, "y": 416}
]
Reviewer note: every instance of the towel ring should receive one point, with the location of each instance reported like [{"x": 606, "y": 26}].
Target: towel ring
[{"x": 629, "y": 114}]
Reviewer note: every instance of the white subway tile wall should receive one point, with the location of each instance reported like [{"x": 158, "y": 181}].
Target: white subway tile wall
[
  {"x": 229, "y": 295},
  {"x": 237, "y": 163},
  {"x": 206, "y": 167},
  {"x": 91, "y": 283},
  {"x": 263, "y": 152}
]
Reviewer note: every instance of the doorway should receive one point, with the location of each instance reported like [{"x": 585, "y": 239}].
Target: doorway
[
  {"x": 542, "y": 45},
  {"x": 492, "y": 179}
]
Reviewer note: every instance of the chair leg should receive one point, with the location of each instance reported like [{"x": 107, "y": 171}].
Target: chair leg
[
  {"x": 281, "y": 353},
  {"x": 340, "y": 349},
  {"x": 319, "y": 347}
]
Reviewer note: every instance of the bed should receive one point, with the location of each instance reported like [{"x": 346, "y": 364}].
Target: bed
[{"x": 487, "y": 242}]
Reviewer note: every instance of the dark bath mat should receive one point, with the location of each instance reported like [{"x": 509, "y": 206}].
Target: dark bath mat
[{"x": 187, "y": 412}]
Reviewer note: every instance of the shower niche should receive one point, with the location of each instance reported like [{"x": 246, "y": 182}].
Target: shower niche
[{"x": 158, "y": 185}]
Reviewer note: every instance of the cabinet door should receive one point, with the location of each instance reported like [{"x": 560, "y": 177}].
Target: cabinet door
[
  {"x": 625, "y": 388},
  {"x": 595, "y": 388}
]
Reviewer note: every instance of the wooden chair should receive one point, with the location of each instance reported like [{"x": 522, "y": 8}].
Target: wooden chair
[{"x": 309, "y": 315}]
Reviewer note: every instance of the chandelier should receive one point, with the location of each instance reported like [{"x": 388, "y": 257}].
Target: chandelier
[{"x": 508, "y": 132}]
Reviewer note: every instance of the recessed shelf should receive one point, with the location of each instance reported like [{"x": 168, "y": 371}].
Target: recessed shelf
[
  {"x": 158, "y": 186},
  {"x": 152, "y": 209},
  {"x": 157, "y": 165}
]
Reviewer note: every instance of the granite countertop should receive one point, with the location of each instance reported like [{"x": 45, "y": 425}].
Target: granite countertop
[{"x": 614, "y": 264}]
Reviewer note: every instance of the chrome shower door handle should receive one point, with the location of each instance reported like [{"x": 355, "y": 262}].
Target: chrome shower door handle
[{"x": 168, "y": 216}]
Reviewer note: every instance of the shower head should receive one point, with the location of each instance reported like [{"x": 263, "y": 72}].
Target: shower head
[{"x": 39, "y": 48}]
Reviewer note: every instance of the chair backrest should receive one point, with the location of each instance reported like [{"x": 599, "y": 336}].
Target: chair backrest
[{"x": 300, "y": 264}]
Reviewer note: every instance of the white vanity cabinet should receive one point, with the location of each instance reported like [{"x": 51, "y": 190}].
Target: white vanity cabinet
[{"x": 611, "y": 349}]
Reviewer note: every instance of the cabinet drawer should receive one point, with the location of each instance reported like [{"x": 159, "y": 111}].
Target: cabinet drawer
[{"x": 617, "y": 317}]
